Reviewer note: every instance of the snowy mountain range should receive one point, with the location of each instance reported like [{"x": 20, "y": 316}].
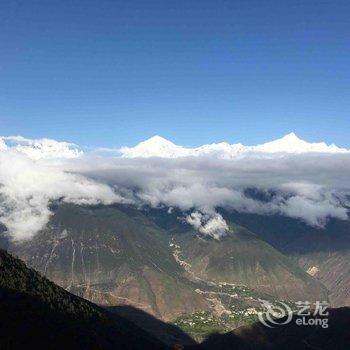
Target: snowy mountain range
[
  {"x": 40, "y": 148},
  {"x": 157, "y": 146}
]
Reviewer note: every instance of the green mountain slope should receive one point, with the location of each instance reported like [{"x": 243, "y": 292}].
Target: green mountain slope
[
  {"x": 112, "y": 256},
  {"x": 241, "y": 257},
  {"x": 244, "y": 259},
  {"x": 119, "y": 255},
  {"x": 323, "y": 252}
]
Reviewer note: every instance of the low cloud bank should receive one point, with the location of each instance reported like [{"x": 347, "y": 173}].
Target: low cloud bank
[{"x": 308, "y": 185}]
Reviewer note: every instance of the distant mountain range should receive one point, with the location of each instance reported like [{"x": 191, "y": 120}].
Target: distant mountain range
[
  {"x": 121, "y": 255},
  {"x": 192, "y": 236},
  {"x": 158, "y": 146}
]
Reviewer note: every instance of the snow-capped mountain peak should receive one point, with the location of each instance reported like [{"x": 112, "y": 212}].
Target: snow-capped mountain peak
[
  {"x": 158, "y": 146},
  {"x": 291, "y": 143},
  {"x": 157, "y": 141}
]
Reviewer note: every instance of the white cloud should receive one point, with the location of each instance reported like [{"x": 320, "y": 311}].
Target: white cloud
[
  {"x": 209, "y": 225},
  {"x": 3, "y": 146},
  {"x": 309, "y": 185},
  {"x": 28, "y": 186}
]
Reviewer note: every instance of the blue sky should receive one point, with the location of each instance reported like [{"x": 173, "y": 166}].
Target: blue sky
[{"x": 112, "y": 73}]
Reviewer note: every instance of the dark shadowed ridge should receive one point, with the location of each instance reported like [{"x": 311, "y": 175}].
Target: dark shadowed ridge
[
  {"x": 166, "y": 332},
  {"x": 290, "y": 336},
  {"x": 37, "y": 313}
]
